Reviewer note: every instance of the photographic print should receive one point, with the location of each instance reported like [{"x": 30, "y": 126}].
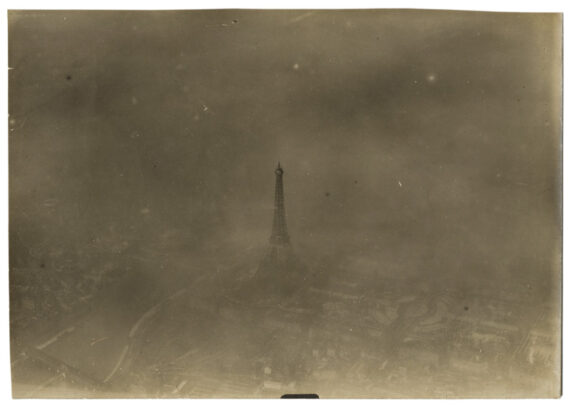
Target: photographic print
[{"x": 259, "y": 203}]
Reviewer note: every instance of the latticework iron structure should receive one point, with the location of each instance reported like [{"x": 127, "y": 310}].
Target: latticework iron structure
[{"x": 279, "y": 234}]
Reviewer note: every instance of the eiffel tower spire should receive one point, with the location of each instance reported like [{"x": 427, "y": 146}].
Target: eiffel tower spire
[{"x": 279, "y": 235}]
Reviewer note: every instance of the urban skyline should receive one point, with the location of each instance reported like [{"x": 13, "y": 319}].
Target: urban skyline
[{"x": 252, "y": 203}]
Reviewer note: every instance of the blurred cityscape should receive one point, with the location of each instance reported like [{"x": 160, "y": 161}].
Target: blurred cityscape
[
  {"x": 337, "y": 337},
  {"x": 252, "y": 203},
  {"x": 274, "y": 321}
]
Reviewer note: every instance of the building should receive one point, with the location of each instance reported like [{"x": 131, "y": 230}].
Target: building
[{"x": 280, "y": 268}]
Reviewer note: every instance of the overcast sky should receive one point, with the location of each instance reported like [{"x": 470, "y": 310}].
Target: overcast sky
[{"x": 431, "y": 139}]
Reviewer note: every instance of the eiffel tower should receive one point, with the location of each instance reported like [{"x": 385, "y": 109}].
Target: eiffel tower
[
  {"x": 280, "y": 264},
  {"x": 279, "y": 239}
]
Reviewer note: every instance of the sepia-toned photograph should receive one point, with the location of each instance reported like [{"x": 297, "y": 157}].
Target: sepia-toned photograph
[{"x": 285, "y": 204}]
